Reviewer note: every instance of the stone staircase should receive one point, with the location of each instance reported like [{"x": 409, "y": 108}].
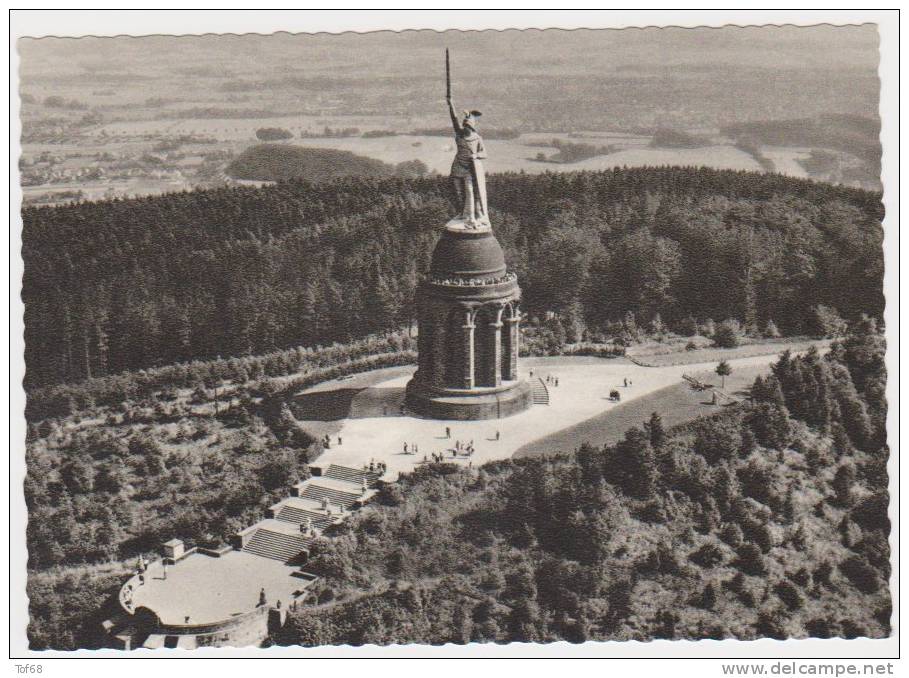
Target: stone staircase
[
  {"x": 351, "y": 475},
  {"x": 540, "y": 392},
  {"x": 279, "y": 535},
  {"x": 297, "y": 515},
  {"x": 277, "y": 545},
  {"x": 313, "y": 491}
]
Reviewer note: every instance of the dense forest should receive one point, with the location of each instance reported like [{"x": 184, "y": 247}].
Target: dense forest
[
  {"x": 277, "y": 162},
  {"x": 131, "y": 284},
  {"x": 766, "y": 520}
]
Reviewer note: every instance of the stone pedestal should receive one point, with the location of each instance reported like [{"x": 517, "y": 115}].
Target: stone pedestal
[{"x": 469, "y": 318}]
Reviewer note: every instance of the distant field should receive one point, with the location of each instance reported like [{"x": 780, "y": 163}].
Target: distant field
[
  {"x": 130, "y": 142},
  {"x": 237, "y": 129},
  {"x": 785, "y": 159},
  {"x": 517, "y": 155}
]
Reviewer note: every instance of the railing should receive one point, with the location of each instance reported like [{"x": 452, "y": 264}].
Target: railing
[
  {"x": 213, "y": 627},
  {"x": 474, "y": 282}
]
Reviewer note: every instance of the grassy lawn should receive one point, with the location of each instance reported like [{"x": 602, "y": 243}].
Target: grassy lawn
[{"x": 676, "y": 404}]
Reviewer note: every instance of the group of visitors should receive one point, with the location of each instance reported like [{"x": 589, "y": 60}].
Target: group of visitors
[
  {"x": 413, "y": 449},
  {"x": 378, "y": 467},
  {"x": 326, "y": 441},
  {"x": 461, "y": 448},
  {"x": 550, "y": 379}
]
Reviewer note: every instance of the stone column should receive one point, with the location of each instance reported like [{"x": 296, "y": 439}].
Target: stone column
[
  {"x": 425, "y": 331},
  {"x": 467, "y": 355},
  {"x": 439, "y": 349},
  {"x": 495, "y": 328},
  {"x": 514, "y": 338}
]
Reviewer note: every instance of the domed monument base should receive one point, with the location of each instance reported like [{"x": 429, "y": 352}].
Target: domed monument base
[
  {"x": 469, "y": 331},
  {"x": 469, "y": 404}
]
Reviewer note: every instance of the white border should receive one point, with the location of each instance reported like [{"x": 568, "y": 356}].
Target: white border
[{"x": 73, "y": 23}]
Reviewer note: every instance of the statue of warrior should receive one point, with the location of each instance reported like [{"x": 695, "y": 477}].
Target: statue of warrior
[{"x": 468, "y": 178}]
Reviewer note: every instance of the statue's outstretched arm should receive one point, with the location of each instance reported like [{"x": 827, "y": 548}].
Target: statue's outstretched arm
[{"x": 454, "y": 117}]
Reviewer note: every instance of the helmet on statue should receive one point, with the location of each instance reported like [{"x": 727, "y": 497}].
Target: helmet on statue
[{"x": 471, "y": 117}]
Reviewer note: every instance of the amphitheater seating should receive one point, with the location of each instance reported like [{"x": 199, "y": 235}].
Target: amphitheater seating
[
  {"x": 351, "y": 475},
  {"x": 277, "y": 545},
  {"x": 540, "y": 393}
]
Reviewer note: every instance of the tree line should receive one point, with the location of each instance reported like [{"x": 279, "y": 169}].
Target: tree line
[{"x": 139, "y": 283}]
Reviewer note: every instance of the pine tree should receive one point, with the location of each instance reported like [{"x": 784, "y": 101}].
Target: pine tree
[{"x": 655, "y": 429}]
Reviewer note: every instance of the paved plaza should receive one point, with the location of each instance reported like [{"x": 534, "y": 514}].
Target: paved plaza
[
  {"x": 208, "y": 589},
  {"x": 377, "y": 431}
]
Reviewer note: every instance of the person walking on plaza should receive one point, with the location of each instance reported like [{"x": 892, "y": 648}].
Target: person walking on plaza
[
  {"x": 405, "y": 448},
  {"x": 262, "y": 599},
  {"x": 448, "y": 433},
  {"x": 498, "y": 435},
  {"x": 164, "y": 571}
]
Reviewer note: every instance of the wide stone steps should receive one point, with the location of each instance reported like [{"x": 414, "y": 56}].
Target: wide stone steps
[
  {"x": 351, "y": 475},
  {"x": 540, "y": 393},
  {"x": 277, "y": 545},
  {"x": 337, "y": 497},
  {"x": 293, "y": 514}
]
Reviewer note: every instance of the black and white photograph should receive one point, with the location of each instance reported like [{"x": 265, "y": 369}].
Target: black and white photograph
[{"x": 454, "y": 339}]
